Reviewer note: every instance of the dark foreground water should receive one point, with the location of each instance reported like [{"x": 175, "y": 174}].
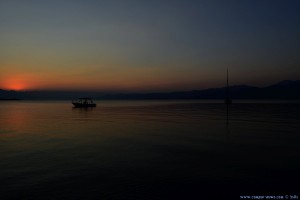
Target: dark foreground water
[{"x": 148, "y": 150}]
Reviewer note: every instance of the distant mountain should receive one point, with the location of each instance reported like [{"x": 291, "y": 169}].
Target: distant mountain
[
  {"x": 285, "y": 83},
  {"x": 286, "y": 89}
]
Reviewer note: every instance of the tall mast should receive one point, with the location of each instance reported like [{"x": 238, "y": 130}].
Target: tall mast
[
  {"x": 227, "y": 99},
  {"x": 227, "y": 89}
]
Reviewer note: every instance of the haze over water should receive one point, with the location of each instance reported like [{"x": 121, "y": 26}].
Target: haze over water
[{"x": 148, "y": 150}]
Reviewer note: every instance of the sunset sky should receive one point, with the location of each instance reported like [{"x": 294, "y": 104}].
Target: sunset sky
[{"x": 152, "y": 45}]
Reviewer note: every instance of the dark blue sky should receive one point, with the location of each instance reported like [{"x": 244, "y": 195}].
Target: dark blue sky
[{"x": 147, "y": 45}]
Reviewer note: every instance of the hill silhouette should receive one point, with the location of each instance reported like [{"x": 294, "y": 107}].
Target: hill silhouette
[{"x": 283, "y": 90}]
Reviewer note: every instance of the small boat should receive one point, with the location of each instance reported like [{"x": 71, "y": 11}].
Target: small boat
[{"x": 83, "y": 103}]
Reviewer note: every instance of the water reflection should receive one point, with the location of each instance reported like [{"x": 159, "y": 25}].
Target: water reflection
[
  {"x": 13, "y": 117},
  {"x": 227, "y": 122},
  {"x": 83, "y": 109},
  {"x": 145, "y": 150}
]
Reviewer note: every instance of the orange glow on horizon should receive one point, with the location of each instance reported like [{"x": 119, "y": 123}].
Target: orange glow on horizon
[
  {"x": 94, "y": 79},
  {"x": 16, "y": 84},
  {"x": 29, "y": 83}
]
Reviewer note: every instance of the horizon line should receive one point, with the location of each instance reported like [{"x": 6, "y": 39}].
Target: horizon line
[{"x": 139, "y": 91}]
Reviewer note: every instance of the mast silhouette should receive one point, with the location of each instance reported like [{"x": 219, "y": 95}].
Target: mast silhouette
[{"x": 227, "y": 99}]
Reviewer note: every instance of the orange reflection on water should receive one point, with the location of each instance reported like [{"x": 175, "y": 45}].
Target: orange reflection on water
[{"x": 13, "y": 118}]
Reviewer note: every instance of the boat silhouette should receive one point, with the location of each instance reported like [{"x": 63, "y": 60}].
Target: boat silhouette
[
  {"x": 227, "y": 98},
  {"x": 83, "y": 103}
]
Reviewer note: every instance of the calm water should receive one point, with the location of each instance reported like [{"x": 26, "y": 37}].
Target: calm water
[{"x": 148, "y": 150}]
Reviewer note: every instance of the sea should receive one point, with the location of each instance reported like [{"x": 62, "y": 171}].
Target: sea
[{"x": 150, "y": 149}]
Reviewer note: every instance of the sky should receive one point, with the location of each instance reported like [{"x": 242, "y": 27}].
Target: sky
[{"x": 157, "y": 45}]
